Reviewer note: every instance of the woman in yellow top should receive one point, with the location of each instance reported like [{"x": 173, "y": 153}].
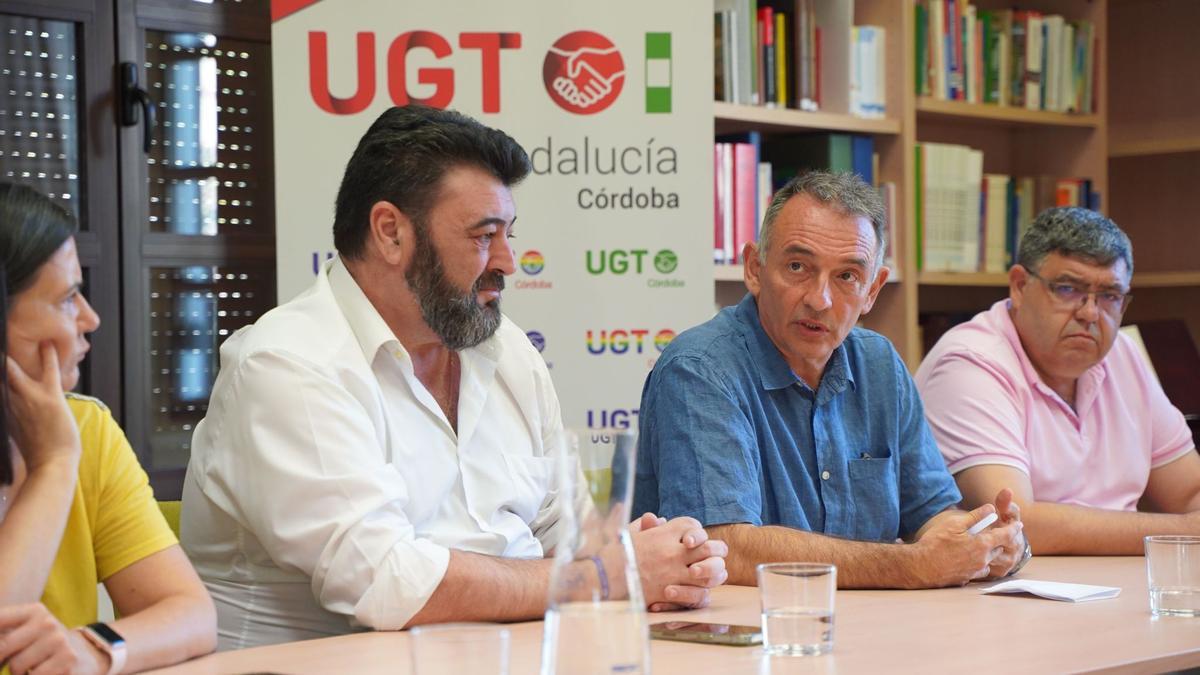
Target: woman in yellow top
[{"x": 75, "y": 507}]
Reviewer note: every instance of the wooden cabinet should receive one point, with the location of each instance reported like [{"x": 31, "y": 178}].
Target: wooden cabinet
[{"x": 1154, "y": 152}]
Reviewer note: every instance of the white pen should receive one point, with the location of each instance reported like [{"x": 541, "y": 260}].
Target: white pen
[{"x": 979, "y": 527}]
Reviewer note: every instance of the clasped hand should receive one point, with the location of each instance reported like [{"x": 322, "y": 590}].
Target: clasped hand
[{"x": 677, "y": 561}]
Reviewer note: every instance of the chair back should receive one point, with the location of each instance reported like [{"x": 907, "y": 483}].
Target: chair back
[{"x": 170, "y": 511}]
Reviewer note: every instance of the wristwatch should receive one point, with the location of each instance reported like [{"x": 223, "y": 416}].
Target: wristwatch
[
  {"x": 108, "y": 641},
  {"x": 1025, "y": 556}
]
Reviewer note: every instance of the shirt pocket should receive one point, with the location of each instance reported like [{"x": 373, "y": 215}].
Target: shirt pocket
[
  {"x": 876, "y": 494},
  {"x": 529, "y": 480}
]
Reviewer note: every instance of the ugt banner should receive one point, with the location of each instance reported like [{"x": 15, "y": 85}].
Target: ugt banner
[{"x": 613, "y": 102}]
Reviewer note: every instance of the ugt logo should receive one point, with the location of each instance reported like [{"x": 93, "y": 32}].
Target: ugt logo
[
  {"x": 627, "y": 340},
  {"x": 583, "y": 72},
  {"x": 620, "y": 261}
]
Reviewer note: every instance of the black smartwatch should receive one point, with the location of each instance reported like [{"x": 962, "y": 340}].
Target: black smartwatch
[{"x": 109, "y": 641}]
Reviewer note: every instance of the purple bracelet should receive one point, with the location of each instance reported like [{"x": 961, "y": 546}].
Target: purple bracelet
[{"x": 603, "y": 576}]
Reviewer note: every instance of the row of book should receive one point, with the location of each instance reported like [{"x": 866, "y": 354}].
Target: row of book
[
  {"x": 969, "y": 221},
  {"x": 1020, "y": 58},
  {"x": 802, "y": 54},
  {"x": 747, "y": 173}
]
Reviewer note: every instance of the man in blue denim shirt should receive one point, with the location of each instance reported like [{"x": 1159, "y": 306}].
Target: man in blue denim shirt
[{"x": 792, "y": 435}]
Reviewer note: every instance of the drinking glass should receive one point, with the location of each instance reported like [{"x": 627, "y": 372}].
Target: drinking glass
[
  {"x": 797, "y": 607},
  {"x": 595, "y": 612},
  {"x": 1173, "y": 575}
]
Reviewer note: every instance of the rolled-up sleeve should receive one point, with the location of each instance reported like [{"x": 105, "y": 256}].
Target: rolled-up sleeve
[
  {"x": 974, "y": 412},
  {"x": 298, "y": 463},
  {"x": 697, "y": 451}
]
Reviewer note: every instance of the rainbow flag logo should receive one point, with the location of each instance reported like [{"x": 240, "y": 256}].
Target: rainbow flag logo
[
  {"x": 663, "y": 338},
  {"x": 532, "y": 262}
]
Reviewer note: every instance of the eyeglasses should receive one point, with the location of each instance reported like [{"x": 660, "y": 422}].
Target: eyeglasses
[{"x": 1072, "y": 297}]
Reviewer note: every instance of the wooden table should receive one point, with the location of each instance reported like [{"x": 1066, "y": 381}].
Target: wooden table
[{"x": 946, "y": 630}]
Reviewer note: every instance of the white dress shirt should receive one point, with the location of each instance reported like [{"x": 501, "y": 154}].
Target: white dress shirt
[{"x": 326, "y": 486}]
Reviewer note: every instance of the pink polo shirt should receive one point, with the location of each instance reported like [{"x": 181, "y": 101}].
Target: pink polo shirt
[{"x": 987, "y": 405}]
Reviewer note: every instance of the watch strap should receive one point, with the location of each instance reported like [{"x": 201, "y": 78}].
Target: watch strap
[
  {"x": 108, "y": 641},
  {"x": 1025, "y": 556}
]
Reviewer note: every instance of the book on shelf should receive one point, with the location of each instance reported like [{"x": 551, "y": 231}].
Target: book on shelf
[
  {"x": 950, "y": 180},
  {"x": 723, "y": 202},
  {"x": 994, "y": 212},
  {"x": 807, "y": 56},
  {"x": 747, "y": 172},
  {"x": 1019, "y": 57},
  {"x": 741, "y": 194},
  {"x": 737, "y": 48},
  {"x": 799, "y": 54},
  {"x": 766, "y": 55},
  {"x": 868, "y": 74},
  {"x": 783, "y": 53},
  {"x": 792, "y": 155},
  {"x": 766, "y": 191},
  {"x": 724, "y": 80},
  {"x": 745, "y": 198},
  {"x": 968, "y": 221},
  {"x": 923, "y": 69}
]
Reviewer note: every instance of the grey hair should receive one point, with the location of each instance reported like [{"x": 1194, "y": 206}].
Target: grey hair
[
  {"x": 1075, "y": 232},
  {"x": 847, "y": 192}
]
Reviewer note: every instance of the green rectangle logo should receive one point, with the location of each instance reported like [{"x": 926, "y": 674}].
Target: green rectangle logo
[{"x": 658, "y": 72}]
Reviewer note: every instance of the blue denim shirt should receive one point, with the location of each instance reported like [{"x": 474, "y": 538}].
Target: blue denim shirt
[{"x": 729, "y": 434}]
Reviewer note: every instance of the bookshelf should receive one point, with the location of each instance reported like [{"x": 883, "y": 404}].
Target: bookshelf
[
  {"x": 1154, "y": 153},
  {"x": 732, "y": 117},
  {"x": 894, "y": 314},
  {"x": 1118, "y": 149},
  {"x": 1015, "y": 141},
  {"x": 929, "y": 109}
]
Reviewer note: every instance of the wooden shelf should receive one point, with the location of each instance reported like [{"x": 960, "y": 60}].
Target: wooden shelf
[
  {"x": 727, "y": 273},
  {"x": 731, "y": 117},
  {"x": 1163, "y": 146},
  {"x": 998, "y": 279},
  {"x": 933, "y": 109},
  {"x": 1165, "y": 279}
]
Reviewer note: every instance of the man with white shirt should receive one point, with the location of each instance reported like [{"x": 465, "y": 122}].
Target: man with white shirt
[{"x": 377, "y": 452}]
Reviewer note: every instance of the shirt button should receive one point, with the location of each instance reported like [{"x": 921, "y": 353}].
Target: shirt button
[{"x": 824, "y": 475}]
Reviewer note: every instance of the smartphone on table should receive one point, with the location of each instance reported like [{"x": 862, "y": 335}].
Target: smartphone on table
[{"x": 707, "y": 633}]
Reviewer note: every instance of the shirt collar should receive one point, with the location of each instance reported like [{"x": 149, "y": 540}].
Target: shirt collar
[
  {"x": 773, "y": 370},
  {"x": 369, "y": 328}
]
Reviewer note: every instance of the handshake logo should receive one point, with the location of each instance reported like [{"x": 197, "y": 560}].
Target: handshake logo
[{"x": 583, "y": 72}]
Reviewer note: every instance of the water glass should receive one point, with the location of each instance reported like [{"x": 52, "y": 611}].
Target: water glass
[
  {"x": 797, "y": 607},
  {"x": 595, "y": 623},
  {"x": 442, "y": 649},
  {"x": 1173, "y": 575}
]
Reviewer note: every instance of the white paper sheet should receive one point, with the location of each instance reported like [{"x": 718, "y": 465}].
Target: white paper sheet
[{"x": 1055, "y": 590}]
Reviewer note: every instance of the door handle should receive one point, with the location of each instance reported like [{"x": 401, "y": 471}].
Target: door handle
[{"x": 136, "y": 104}]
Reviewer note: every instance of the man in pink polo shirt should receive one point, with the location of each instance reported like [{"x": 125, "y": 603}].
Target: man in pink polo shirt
[{"x": 1042, "y": 394}]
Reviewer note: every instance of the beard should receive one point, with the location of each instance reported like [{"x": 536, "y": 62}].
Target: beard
[{"x": 456, "y": 317}]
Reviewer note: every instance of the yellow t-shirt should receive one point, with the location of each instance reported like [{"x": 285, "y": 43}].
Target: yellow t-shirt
[{"x": 114, "y": 520}]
